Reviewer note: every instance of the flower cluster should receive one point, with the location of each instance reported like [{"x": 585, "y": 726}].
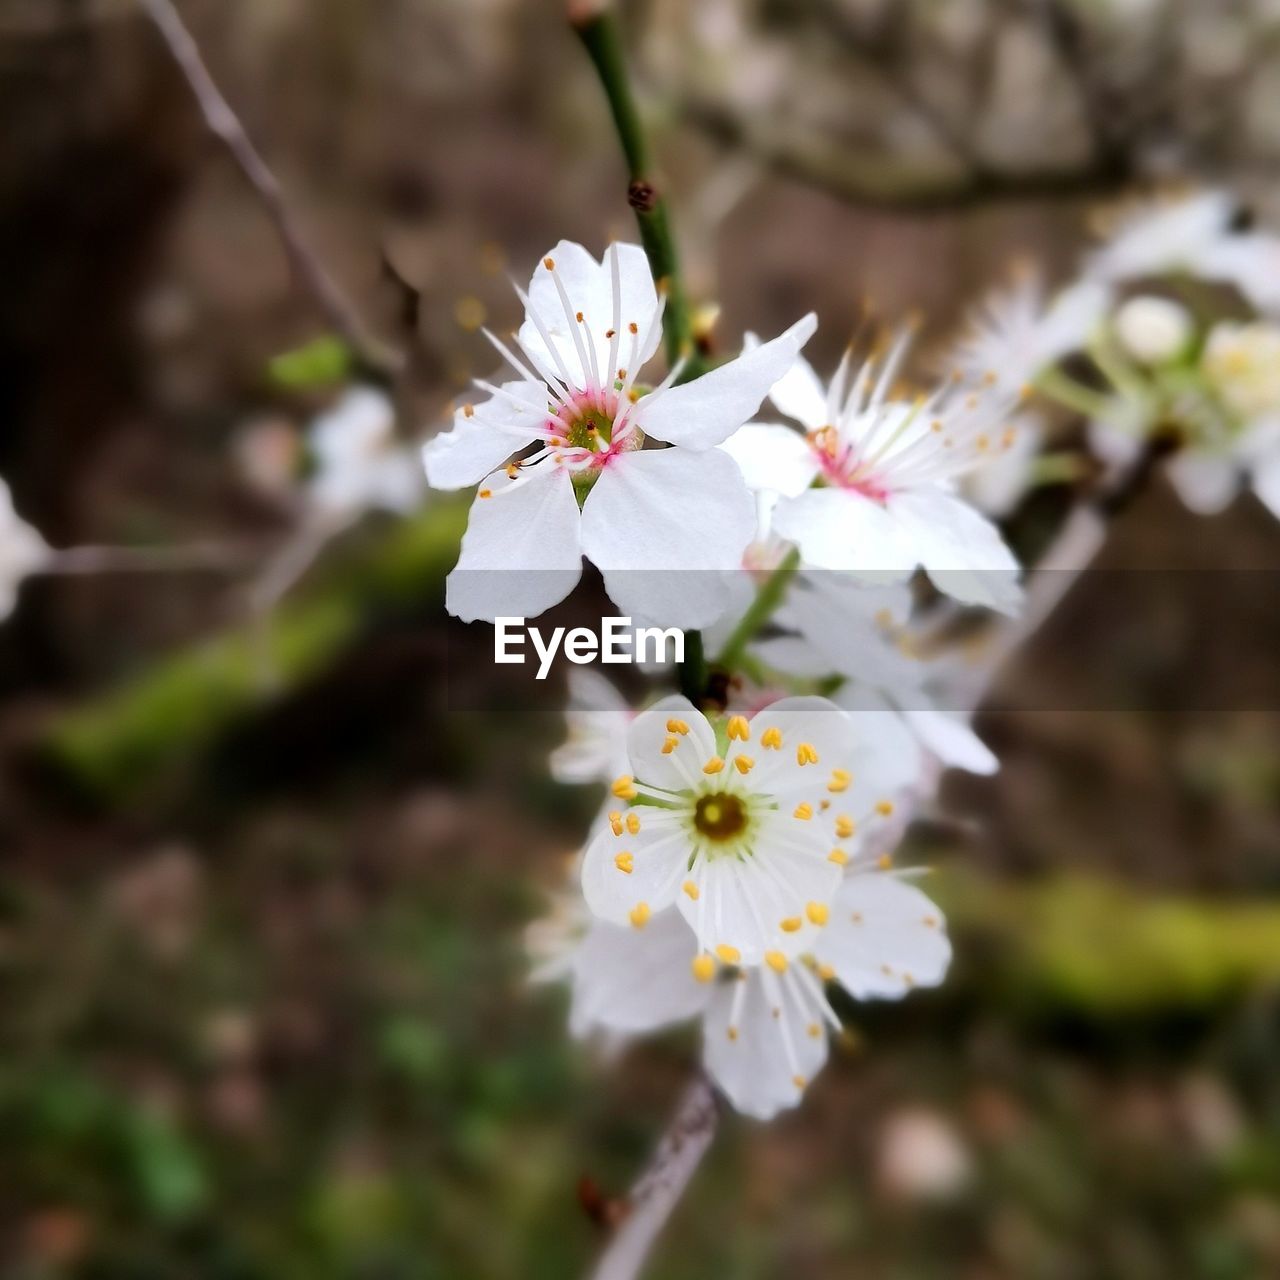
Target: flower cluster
[
  {"x": 1171, "y": 337},
  {"x": 743, "y": 862}
]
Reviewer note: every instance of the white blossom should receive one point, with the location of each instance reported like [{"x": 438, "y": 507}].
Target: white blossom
[
  {"x": 645, "y": 518},
  {"x": 869, "y": 486},
  {"x": 764, "y": 1026},
  {"x": 358, "y": 465},
  {"x": 1164, "y": 236},
  {"x": 22, "y": 552},
  {"x": 744, "y": 825}
]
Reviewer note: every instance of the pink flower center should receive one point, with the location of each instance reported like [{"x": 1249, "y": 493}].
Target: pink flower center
[{"x": 842, "y": 468}]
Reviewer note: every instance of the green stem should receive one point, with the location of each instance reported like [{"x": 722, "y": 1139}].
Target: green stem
[
  {"x": 763, "y": 607},
  {"x": 1067, "y": 391},
  {"x": 693, "y": 670},
  {"x": 601, "y": 38}
]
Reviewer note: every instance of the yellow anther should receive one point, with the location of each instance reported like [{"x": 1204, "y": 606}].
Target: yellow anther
[
  {"x": 633, "y": 824},
  {"x": 982, "y": 443},
  {"x": 771, "y": 739},
  {"x": 930, "y": 922},
  {"x": 608, "y": 333},
  {"x": 704, "y": 968},
  {"x": 732, "y": 1033},
  {"x": 887, "y": 970},
  {"x": 615, "y": 815},
  {"x": 633, "y": 395},
  {"x": 513, "y": 470},
  {"x": 817, "y": 912},
  {"x": 677, "y": 726},
  {"x": 791, "y": 924},
  {"x": 799, "y": 1081},
  {"x": 549, "y": 263},
  {"x": 826, "y": 972},
  {"x": 579, "y": 317},
  {"x": 840, "y": 780},
  {"x": 640, "y": 914},
  {"x": 884, "y": 808},
  {"x": 625, "y": 863},
  {"x": 691, "y": 890},
  {"x": 486, "y": 493},
  {"x": 805, "y": 754},
  {"x": 670, "y": 744},
  {"x": 624, "y": 787},
  {"x": 839, "y": 857},
  {"x": 616, "y": 826},
  {"x": 633, "y": 327},
  {"x": 622, "y": 375},
  {"x": 714, "y": 765},
  {"x": 824, "y": 805},
  {"x": 743, "y": 764},
  {"x": 776, "y": 961},
  {"x": 845, "y": 826},
  {"x": 803, "y": 811},
  {"x": 739, "y": 729},
  {"x": 728, "y": 954},
  {"x": 814, "y": 1030},
  {"x": 856, "y": 917},
  {"x": 884, "y": 862},
  {"x": 468, "y": 411}
]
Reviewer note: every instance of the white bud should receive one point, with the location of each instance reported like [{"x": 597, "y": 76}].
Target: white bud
[{"x": 1153, "y": 330}]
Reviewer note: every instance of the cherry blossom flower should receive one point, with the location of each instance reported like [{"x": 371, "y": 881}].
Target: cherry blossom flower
[
  {"x": 22, "y": 552},
  {"x": 764, "y": 1026},
  {"x": 1164, "y": 236},
  {"x": 870, "y": 486},
  {"x": 1019, "y": 331},
  {"x": 358, "y": 464},
  {"x": 598, "y": 718},
  {"x": 744, "y": 825},
  {"x": 1229, "y": 420},
  {"x": 649, "y": 519}
]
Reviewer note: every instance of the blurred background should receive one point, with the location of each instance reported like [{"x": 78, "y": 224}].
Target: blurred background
[{"x": 263, "y": 1001}]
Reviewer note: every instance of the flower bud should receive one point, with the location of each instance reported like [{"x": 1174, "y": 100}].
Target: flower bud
[{"x": 1153, "y": 330}]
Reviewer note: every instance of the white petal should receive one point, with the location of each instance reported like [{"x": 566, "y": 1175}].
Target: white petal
[
  {"x": 884, "y": 938},
  {"x": 772, "y": 457},
  {"x": 1266, "y": 482},
  {"x": 598, "y": 720},
  {"x": 799, "y": 394},
  {"x": 951, "y": 739},
  {"x": 812, "y": 721},
  {"x": 840, "y": 529},
  {"x": 1206, "y": 482},
  {"x": 662, "y": 525},
  {"x": 486, "y": 437},
  {"x": 672, "y": 770},
  {"x": 589, "y": 285},
  {"x": 752, "y": 1066},
  {"x": 743, "y": 901},
  {"x": 709, "y": 409},
  {"x": 636, "y": 980},
  {"x": 961, "y": 549},
  {"x": 659, "y": 855},
  {"x": 520, "y": 554}
]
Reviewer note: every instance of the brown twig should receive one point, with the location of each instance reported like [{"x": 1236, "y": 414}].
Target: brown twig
[
  {"x": 374, "y": 354},
  {"x": 658, "y": 1189},
  {"x": 877, "y": 182}
]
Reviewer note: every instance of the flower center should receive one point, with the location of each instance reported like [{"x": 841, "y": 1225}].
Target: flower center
[
  {"x": 590, "y": 416},
  {"x": 720, "y": 816}
]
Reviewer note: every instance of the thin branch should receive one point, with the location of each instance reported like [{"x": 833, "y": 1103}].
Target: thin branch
[
  {"x": 224, "y": 124},
  {"x": 198, "y": 557},
  {"x": 877, "y": 181},
  {"x": 658, "y": 1190}
]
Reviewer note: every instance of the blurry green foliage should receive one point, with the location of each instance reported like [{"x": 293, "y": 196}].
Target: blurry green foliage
[
  {"x": 128, "y": 738},
  {"x": 325, "y": 361}
]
